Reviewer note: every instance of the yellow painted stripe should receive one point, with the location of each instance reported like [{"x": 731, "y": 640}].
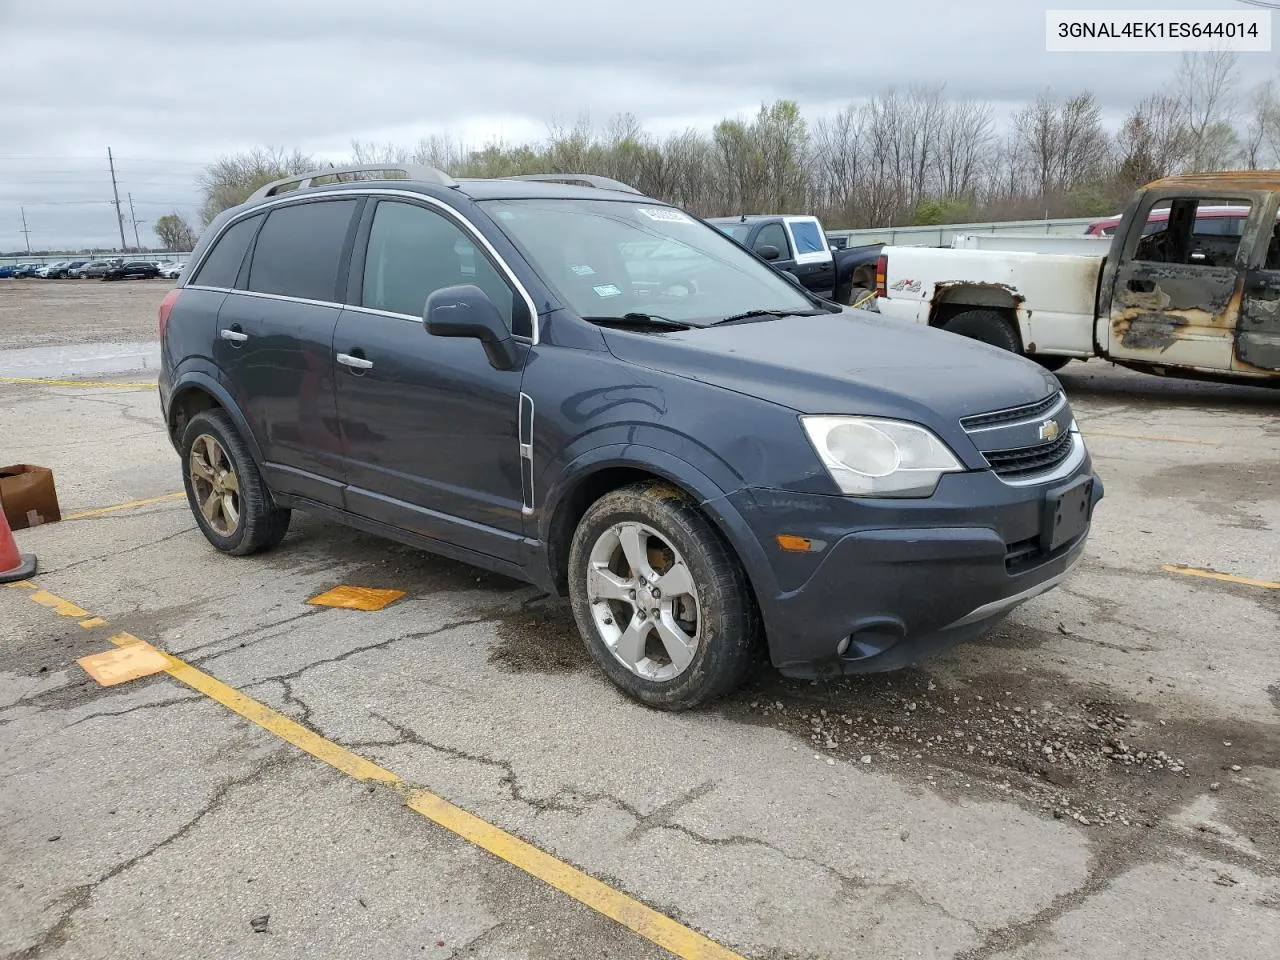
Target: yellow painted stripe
[
  {"x": 1225, "y": 577},
  {"x": 653, "y": 926},
  {"x": 79, "y": 383},
  {"x": 1147, "y": 436},
  {"x": 132, "y": 504},
  {"x": 92, "y": 622},
  {"x": 656, "y": 927},
  {"x": 64, "y": 608}
]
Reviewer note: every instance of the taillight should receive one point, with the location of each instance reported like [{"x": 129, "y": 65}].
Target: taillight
[
  {"x": 882, "y": 268},
  {"x": 166, "y": 308}
]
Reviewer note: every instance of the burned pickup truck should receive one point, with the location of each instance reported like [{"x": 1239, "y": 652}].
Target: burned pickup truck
[{"x": 1170, "y": 293}]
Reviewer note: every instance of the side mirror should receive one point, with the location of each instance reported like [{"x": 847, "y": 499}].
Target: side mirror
[
  {"x": 792, "y": 277},
  {"x": 466, "y": 311},
  {"x": 768, "y": 252}
]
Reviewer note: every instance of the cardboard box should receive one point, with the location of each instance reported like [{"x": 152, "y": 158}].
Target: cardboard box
[{"x": 27, "y": 496}]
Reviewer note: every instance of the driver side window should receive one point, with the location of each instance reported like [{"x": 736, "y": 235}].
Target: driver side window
[
  {"x": 413, "y": 252},
  {"x": 773, "y": 235}
]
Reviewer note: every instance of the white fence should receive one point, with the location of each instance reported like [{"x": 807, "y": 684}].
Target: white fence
[{"x": 941, "y": 236}]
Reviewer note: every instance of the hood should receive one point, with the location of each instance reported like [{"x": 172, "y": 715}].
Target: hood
[{"x": 846, "y": 364}]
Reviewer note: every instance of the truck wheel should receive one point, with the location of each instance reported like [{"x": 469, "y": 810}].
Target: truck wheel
[
  {"x": 989, "y": 326},
  {"x": 1052, "y": 364},
  {"x": 226, "y": 493},
  {"x": 661, "y": 600}
]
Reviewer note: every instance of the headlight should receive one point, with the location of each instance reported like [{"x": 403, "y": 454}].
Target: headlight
[{"x": 869, "y": 457}]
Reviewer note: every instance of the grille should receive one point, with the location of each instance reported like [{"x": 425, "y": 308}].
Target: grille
[
  {"x": 980, "y": 421},
  {"x": 1022, "y": 554},
  {"x": 1025, "y": 461}
]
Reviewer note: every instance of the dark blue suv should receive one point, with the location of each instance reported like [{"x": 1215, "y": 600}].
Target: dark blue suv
[{"x": 566, "y": 382}]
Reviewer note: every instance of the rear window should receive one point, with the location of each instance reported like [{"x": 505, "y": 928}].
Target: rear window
[
  {"x": 222, "y": 265},
  {"x": 298, "y": 250},
  {"x": 739, "y": 231},
  {"x": 807, "y": 236}
]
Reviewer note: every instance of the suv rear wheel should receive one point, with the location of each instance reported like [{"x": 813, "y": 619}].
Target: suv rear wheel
[
  {"x": 225, "y": 491},
  {"x": 661, "y": 601}
]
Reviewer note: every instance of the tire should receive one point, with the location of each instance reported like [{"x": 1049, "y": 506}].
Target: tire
[
  {"x": 728, "y": 631},
  {"x": 1052, "y": 364},
  {"x": 258, "y": 523},
  {"x": 989, "y": 326}
]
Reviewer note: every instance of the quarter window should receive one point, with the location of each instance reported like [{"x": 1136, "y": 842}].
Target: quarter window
[
  {"x": 299, "y": 248},
  {"x": 222, "y": 265},
  {"x": 413, "y": 252}
]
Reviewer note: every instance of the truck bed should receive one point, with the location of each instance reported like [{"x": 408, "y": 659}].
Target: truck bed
[{"x": 1053, "y": 294}]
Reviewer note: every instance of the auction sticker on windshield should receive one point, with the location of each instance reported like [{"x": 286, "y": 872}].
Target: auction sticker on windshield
[{"x": 665, "y": 214}]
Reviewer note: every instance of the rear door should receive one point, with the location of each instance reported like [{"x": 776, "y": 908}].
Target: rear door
[
  {"x": 275, "y": 344},
  {"x": 429, "y": 425},
  {"x": 1176, "y": 296},
  {"x": 1258, "y": 337}
]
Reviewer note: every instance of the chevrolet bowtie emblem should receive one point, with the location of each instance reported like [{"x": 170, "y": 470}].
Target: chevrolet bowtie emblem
[{"x": 1049, "y": 430}]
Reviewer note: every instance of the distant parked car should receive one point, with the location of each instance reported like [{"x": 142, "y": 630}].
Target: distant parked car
[
  {"x": 47, "y": 268},
  {"x": 172, "y": 271},
  {"x": 26, "y": 269},
  {"x": 132, "y": 270},
  {"x": 7, "y": 270},
  {"x": 62, "y": 270},
  {"x": 95, "y": 269}
]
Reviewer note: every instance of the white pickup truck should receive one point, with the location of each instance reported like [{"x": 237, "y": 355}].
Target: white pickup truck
[{"x": 1166, "y": 294}]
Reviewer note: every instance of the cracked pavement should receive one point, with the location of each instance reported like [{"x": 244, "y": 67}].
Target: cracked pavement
[{"x": 793, "y": 820}]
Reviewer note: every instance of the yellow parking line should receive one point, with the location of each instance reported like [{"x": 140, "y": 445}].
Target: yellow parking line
[
  {"x": 63, "y": 608},
  {"x": 1148, "y": 436},
  {"x": 85, "y": 514},
  {"x": 1225, "y": 577},
  {"x": 108, "y": 384},
  {"x": 656, "y": 927}
]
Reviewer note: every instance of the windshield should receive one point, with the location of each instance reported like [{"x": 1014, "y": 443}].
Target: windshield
[{"x": 607, "y": 258}]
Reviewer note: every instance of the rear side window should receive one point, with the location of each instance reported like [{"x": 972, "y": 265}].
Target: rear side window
[
  {"x": 222, "y": 265},
  {"x": 299, "y": 248},
  {"x": 808, "y": 237},
  {"x": 414, "y": 252}
]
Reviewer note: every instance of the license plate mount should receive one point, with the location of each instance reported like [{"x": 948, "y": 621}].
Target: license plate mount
[{"x": 1066, "y": 513}]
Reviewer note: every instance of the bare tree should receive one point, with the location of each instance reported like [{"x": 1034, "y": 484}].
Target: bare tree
[
  {"x": 1262, "y": 114},
  {"x": 174, "y": 232},
  {"x": 1205, "y": 84},
  {"x": 1153, "y": 142},
  {"x": 230, "y": 180}
]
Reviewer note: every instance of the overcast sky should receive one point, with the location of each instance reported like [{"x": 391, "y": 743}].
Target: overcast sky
[{"x": 169, "y": 86}]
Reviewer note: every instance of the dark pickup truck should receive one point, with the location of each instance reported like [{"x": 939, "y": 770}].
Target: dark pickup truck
[{"x": 799, "y": 246}]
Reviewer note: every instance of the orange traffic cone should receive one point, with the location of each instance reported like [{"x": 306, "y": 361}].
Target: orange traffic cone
[{"x": 13, "y": 565}]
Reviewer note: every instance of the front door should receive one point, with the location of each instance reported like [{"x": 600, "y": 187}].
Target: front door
[
  {"x": 275, "y": 345},
  {"x": 1176, "y": 292},
  {"x": 1258, "y": 339},
  {"x": 429, "y": 426}
]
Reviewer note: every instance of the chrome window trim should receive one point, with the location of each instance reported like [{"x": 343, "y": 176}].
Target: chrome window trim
[{"x": 422, "y": 198}]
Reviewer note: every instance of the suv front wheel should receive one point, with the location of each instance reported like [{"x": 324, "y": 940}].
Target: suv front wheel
[
  {"x": 661, "y": 601},
  {"x": 225, "y": 491}
]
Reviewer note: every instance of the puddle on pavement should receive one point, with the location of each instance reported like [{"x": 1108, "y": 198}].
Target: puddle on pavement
[{"x": 80, "y": 360}]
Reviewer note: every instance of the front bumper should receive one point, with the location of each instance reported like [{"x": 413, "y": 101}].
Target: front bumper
[{"x": 898, "y": 580}]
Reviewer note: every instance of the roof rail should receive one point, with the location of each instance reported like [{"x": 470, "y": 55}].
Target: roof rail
[
  {"x": 301, "y": 181},
  {"x": 586, "y": 179}
]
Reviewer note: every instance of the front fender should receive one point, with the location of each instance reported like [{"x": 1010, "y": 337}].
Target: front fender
[
  {"x": 714, "y": 501},
  {"x": 203, "y": 376}
]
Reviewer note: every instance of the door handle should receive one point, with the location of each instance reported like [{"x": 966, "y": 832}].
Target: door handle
[
  {"x": 1141, "y": 286},
  {"x": 235, "y": 336},
  {"x": 355, "y": 363}
]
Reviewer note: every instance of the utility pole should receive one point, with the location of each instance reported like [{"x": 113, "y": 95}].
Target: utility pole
[
  {"x": 116, "y": 193},
  {"x": 26, "y": 232},
  {"x": 135, "y": 221}
]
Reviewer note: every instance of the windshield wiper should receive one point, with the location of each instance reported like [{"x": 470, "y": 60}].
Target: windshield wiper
[
  {"x": 638, "y": 320},
  {"x": 756, "y": 314}
]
